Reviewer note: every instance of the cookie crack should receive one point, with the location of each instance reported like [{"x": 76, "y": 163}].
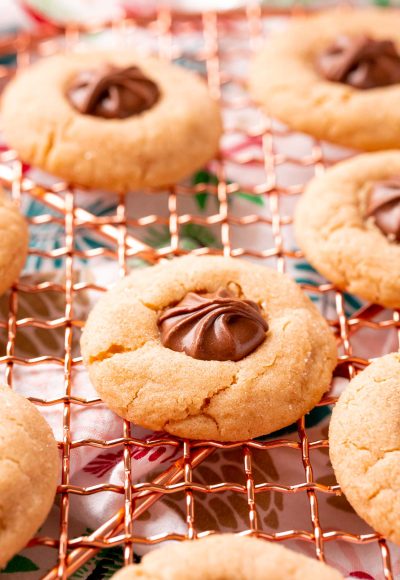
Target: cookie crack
[
  {"x": 203, "y": 409},
  {"x": 108, "y": 353},
  {"x": 208, "y": 400},
  {"x": 373, "y": 460},
  {"x": 189, "y": 416},
  {"x": 213, "y": 419},
  {"x": 112, "y": 350},
  {"x": 157, "y": 309},
  {"x": 116, "y": 348},
  {"x": 348, "y": 442},
  {"x": 136, "y": 395},
  {"x": 54, "y": 136},
  {"x": 381, "y": 458},
  {"x": 373, "y": 495},
  {"x": 49, "y": 146}
]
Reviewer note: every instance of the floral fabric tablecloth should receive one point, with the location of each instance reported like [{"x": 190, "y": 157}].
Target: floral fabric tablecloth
[{"x": 89, "y": 466}]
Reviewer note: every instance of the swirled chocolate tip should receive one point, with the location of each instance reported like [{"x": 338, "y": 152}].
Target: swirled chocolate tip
[
  {"x": 112, "y": 92},
  {"x": 384, "y": 207},
  {"x": 361, "y": 62},
  {"x": 217, "y": 326}
]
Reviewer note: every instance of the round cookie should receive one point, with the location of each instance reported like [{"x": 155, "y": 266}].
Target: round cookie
[
  {"x": 29, "y": 467},
  {"x": 285, "y": 79},
  {"x": 13, "y": 242},
  {"x": 176, "y": 134},
  {"x": 223, "y": 556},
  {"x": 364, "y": 444},
  {"x": 163, "y": 389},
  {"x": 340, "y": 240}
]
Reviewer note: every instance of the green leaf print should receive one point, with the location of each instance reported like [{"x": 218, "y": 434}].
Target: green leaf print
[
  {"x": 19, "y": 564},
  {"x": 107, "y": 563},
  {"x": 206, "y": 177},
  {"x": 103, "y": 566},
  {"x": 191, "y": 236},
  {"x": 256, "y": 199},
  {"x": 305, "y": 267}
]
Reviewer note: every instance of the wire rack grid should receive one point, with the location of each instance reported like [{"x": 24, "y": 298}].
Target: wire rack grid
[{"x": 246, "y": 26}]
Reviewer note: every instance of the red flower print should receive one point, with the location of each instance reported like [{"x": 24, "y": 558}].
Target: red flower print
[{"x": 105, "y": 462}]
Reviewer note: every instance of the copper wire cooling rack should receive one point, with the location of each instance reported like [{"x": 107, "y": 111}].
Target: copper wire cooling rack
[{"x": 245, "y": 28}]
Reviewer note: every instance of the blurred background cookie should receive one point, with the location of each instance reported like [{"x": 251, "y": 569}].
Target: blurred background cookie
[
  {"x": 336, "y": 76},
  {"x": 111, "y": 120}
]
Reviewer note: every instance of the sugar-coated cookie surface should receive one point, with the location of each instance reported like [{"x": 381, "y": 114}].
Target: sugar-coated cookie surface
[
  {"x": 28, "y": 472},
  {"x": 159, "y": 146},
  {"x": 340, "y": 240},
  {"x": 13, "y": 242},
  {"x": 285, "y": 80},
  {"x": 161, "y": 389},
  {"x": 227, "y": 557},
  {"x": 364, "y": 443}
]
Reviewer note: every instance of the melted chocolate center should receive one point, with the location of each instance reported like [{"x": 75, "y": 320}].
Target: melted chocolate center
[
  {"x": 384, "y": 207},
  {"x": 361, "y": 62},
  {"x": 216, "y": 326},
  {"x": 112, "y": 92}
]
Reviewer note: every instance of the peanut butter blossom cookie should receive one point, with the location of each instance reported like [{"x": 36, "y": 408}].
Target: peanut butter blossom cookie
[
  {"x": 28, "y": 472},
  {"x": 13, "y": 242},
  {"x": 226, "y": 556},
  {"x": 111, "y": 120},
  {"x": 208, "y": 347},
  {"x": 335, "y": 76},
  {"x": 364, "y": 440},
  {"x": 348, "y": 225}
]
